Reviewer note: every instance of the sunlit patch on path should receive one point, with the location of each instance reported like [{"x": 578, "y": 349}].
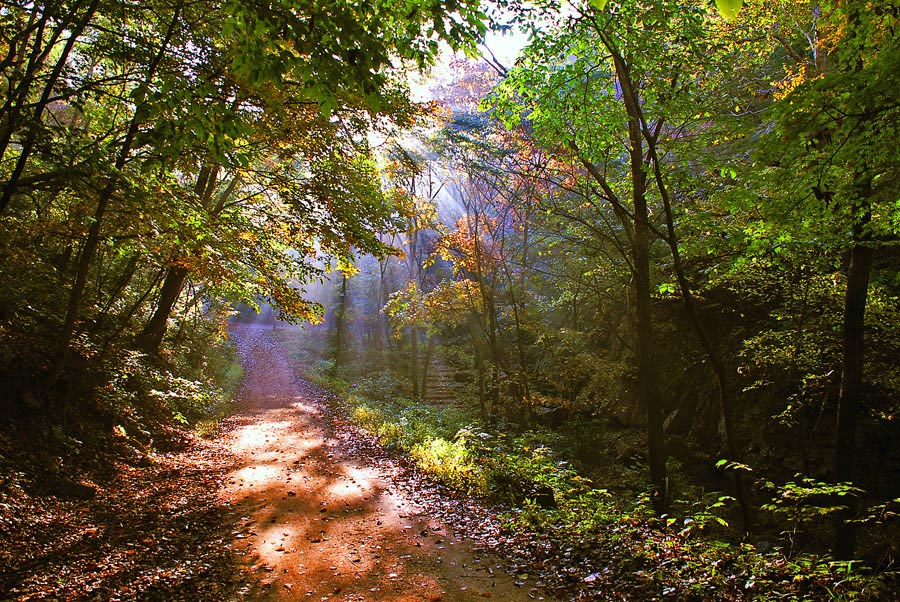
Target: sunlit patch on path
[{"x": 319, "y": 523}]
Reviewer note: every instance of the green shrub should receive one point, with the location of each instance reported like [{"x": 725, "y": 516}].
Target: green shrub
[
  {"x": 190, "y": 384},
  {"x": 451, "y": 462},
  {"x": 367, "y": 417}
]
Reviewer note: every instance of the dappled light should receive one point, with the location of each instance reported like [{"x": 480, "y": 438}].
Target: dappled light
[
  {"x": 255, "y": 435},
  {"x": 358, "y": 482},
  {"x": 319, "y": 522},
  {"x": 411, "y": 300},
  {"x": 256, "y": 475}
]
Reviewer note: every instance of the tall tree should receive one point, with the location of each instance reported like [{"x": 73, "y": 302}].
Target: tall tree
[
  {"x": 584, "y": 88},
  {"x": 834, "y": 128}
]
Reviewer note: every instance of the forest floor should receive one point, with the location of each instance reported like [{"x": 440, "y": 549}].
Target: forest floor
[
  {"x": 330, "y": 516},
  {"x": 287, "y": 502}
]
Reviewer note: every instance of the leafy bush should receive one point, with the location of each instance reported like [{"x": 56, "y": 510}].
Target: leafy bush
[
  {"x": 806, "y": 502},
  {"x": 379, "y": 387},
  {"x": 451, "y": 462},
  {"x": 191, "y": 384}
]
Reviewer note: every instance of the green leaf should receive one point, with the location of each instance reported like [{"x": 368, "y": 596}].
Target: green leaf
[
  {"x": 727, "y": 8},
  {"x": 598, "y": 4}
]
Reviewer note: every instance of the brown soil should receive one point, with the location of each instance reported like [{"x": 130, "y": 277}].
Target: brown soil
[{"x": 321, "y": 521}]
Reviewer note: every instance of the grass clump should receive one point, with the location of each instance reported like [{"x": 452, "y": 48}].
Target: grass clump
[{"x": 434, "y": 437}]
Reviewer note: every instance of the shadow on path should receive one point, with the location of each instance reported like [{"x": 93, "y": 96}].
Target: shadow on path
[{"x": 321, "y": 523}]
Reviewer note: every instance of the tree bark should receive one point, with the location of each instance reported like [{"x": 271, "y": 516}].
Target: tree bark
[
  {"x": 126, "y": 316},
  {"x": 426, "y": 363},
  {"x": 339, "y": 323},
  {"x": 649, "y": 385},
  {"x": 414, "y": 360},
  {"x": 152, "y": 335},
  {"x": 472, "y": 327},
  {"x": 851, "y": 390},
  {"x": 649, "y": 382}
]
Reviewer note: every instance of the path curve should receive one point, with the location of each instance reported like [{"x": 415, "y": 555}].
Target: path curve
[{"x": 318, "y": 522}]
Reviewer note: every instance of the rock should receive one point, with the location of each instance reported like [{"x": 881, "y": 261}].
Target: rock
[
  {"x": 553, "y": 417},
  {"x": 543, "y": 496},
  {"x": 68, "y": 489}
]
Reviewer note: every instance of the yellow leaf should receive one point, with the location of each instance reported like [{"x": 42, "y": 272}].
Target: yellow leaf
[{"x": 729, "y": 8}]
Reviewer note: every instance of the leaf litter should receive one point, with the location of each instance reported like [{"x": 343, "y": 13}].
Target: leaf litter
[{"x": 163, "y": 529}]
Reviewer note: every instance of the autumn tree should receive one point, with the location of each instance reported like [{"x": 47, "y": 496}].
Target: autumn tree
[
  {"x": 494, "y": 176},
  {"x": 414, "y": 185},
  {"x": 617, "y": 95},
  {"x": 208, "y": 147}
]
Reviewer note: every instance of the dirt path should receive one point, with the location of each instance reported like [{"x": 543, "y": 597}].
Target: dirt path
[{"x": 321, "y": 523}]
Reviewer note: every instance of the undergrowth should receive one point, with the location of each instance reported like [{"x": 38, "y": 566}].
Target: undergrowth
[
  {"x": 190, "y": 385},
  {"x": 124, "y": 404},
  {"x": 692, "y": 553}
]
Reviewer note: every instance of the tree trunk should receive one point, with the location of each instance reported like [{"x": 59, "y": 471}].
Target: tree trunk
[
  {"x": 123, "y": 281},
  {"x": 851, "y": 390},
  {"x": 126, "y": 317},
  {"x": 77, "y": 291},
  {"x": 152, "y": 335},
  {"x": 414, "y": 360},
  {"x": 649, "y": 386},
  {"x": 734, "y": 450},
  {"x": 381, "y": 325},
  {"x": 479, "y": 366},
  {"x": 855, "y": 297},
  {"x": 649, "y": 383},
  {"x": 494, "y": 362},
  {"x": 426, "y": 364},
  {"x": 339, "y": 323},
  {"x": 522, "y": 393}
]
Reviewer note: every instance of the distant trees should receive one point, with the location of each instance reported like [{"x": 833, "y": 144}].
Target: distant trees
[
  {"x": 489, "y": 249},
  {"x": 412, "y": 183},
  {"x": 210, "y": 147}
]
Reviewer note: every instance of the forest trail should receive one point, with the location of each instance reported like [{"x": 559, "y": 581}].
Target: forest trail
[{"x": 322, "y": 522}]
